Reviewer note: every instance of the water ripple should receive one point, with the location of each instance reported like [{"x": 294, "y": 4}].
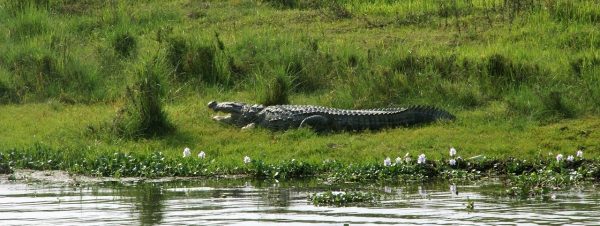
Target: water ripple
[{"x": 202, "y": 203}]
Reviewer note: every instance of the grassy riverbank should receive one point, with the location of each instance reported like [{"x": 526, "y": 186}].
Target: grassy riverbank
[{"x": 521, "y": 76}]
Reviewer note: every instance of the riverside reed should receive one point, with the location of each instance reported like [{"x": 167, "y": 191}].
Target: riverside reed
[{"x": 521, "y": 76}]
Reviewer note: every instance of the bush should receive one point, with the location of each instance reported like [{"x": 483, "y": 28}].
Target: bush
[{"x": 142, "y": 116}]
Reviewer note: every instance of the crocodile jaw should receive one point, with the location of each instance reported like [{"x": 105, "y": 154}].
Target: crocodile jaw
[
  {"x": 222, "y": 118},
  {"x": 233, "y": 111}
]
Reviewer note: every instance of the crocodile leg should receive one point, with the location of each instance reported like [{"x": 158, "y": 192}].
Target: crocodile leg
[
  {"x": 249, "y": 126},
  {"x": 317, "y": 122}
]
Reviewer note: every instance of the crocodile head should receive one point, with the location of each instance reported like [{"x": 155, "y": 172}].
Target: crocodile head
[{"x": 238, "y": 114}]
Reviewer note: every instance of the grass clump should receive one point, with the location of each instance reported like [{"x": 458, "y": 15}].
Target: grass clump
[
  {"x": 505, "y": 74},
  {"x": 143, "y": 116},
  {"x": 296, "y": 4},
  {"x": 276, "y": 92},
  {"x": 4, "y": 166},
  {"x": 193, "y": 61},
  {"x": 41, "y": 74},
  {"x": 545, "y": 106},
  {"x": 125, "y": 44},
  {"x": 7, "y": 94},
  {"x": 28, "y": 24}
]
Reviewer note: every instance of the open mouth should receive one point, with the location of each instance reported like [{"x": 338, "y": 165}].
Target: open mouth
[
  {"x": 222, "y": 118},
  {"x": 224, "y": 110}
]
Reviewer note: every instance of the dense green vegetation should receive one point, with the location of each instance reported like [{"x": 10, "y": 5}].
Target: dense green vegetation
[{"x": 133, "y": 77}]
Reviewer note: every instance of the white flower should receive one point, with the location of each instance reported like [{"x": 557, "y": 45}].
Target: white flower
[
  {"x": 452, "y": 162},
  {"x": 407, "y": 158},
  {"x": 247, "y": 160},
  {"x": 559, "y": 157},
  {"x": 579, "y": 154},
  {"x": 398, "y": 160},
  {"x": 387, "y": 162},
  {"x": 421, "y": 159},
  {"x": 202, "y": 155},
  {"x": 453, "y": 189},
  {"x": 187, "y": 152},
  {"x": 570, "y": 158},
  {"x": 452, "y": 152}
]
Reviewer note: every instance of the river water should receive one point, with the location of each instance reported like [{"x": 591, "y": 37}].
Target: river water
[{"x": 242, "y": 202}]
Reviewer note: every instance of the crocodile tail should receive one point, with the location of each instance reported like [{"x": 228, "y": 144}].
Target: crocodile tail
[{"x": 428, "y": 113}]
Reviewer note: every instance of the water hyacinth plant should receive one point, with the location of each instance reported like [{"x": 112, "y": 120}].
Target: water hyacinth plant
[
  {"x": 387, "y": 161},
  {"x": 407, "y": 158},
  {"x": 452, "y": 152},
  {"x": 559, "y": 157},
  {"x": 570, "y": 158},
  {"x": 398, "y": 160},
  {"x": 345, "y": 199},
  {"x": 579, "y": 154},
  {"x": 421, "y": 159},
  {"x": 452, "y": 162},
  {"x": 201, "y": 155},
  {"x": 187, "y": 152},
  {"x": 247, "y": 160}
]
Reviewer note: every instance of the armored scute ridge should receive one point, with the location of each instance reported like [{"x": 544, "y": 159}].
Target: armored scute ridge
[{"x": 283, "y": 117}]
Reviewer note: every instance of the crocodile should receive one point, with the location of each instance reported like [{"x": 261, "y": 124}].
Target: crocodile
[{"x": 283, "y": 117}]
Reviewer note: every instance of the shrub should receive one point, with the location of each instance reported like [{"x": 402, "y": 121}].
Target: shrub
[{"x": 143, "y": 116}]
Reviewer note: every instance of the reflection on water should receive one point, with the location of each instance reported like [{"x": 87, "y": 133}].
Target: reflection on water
[
  {"x": 227, "y": 202},
  {"x": 148, "y": 201}
]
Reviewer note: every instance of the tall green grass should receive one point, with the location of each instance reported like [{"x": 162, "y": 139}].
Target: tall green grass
[
  {"x": 539, "y": 57},
  {"x": 142, "y": 115}
]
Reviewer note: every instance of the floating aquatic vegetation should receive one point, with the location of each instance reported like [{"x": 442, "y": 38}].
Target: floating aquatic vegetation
[
  {"x": 452, "y": 152},
  {"x": 352, "y": 198},
  {"x": 387, "y": 161},
  {"x": 516, "y": 172},
  {"x": 398, "y": 160},
  {"x": 579, "y": 154},
  {"x": 452, "y": 162},
  {"x": 187, "y": 152},
  {"x": 421, "y": 159}
]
